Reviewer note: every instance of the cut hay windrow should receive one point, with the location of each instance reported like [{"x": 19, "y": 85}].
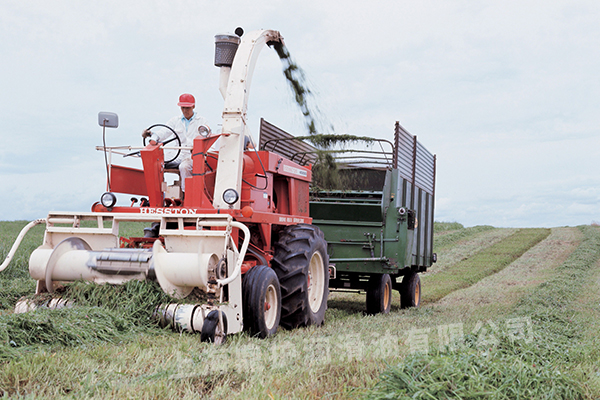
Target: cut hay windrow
[
  {"x": 447, "y": 227},
  {"x": 453, "y": 237},
  {"x": 507, "y": 371},
  {"x": 100, "y": 313},
  {"x": 488, "y": 261}
]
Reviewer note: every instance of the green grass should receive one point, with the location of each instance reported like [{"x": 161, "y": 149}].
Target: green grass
[
  {"x": 555, "y": 364},
  {"x": 14, "y": 280},
  {"x": 446, "y": 226},
  {"x": 107, "y": 346},
  {"x": 448, "y": 238}
]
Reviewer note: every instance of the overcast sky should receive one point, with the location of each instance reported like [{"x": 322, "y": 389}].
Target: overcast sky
[{"x": 505, "y": 93}]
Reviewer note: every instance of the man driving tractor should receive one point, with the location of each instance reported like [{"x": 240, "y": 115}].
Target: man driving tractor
[{"x": 187, "y": 128}]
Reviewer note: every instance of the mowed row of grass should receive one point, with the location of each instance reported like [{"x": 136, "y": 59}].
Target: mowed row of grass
[
  {"x": 555, "y": 357},
  {"x": 342, "y": 359}
]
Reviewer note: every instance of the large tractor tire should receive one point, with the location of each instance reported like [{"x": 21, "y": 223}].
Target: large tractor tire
[
  {"x": 261, "y": 301},
  {"x": 302, "y": 265},
  {"x": 379, "y": 294},
  {"x": 410, "y": 290}
]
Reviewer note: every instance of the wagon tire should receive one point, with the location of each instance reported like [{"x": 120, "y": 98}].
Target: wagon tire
[
  {"x": 410, "y": 290},
  {"x": 302, "y": 266},
  {"x": 262, "y": 301},
  {"x": 379, "y": 294}
]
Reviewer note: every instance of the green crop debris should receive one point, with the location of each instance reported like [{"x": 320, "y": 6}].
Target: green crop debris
[
  {"x": 325, "y": 173},
  {"x": 297, "y": 82},
  {"x": 508, "y": 371},
  {"x": 325, "y": 170},
  {"x": 303, "y": 96},
  {"x": 327, "y": 141}
]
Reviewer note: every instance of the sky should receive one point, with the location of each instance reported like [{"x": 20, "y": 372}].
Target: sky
[{"x": 505, "y": 93}]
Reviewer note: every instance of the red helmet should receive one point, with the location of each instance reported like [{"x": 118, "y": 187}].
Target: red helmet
[{"x": 186, "y": 100}]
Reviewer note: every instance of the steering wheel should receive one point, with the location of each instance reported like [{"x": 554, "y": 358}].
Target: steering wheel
[{"x": 176, "y": 137}]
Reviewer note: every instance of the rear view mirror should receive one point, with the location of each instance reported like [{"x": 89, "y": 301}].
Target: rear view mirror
[{"x": 108, "y": 120}]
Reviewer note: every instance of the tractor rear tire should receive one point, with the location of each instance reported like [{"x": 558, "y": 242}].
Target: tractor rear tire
[
  {"x": 302, "y": 265},
  {"x": 261, "y": 301},
  {"x": 379, "y": 294},
  {"x": 211, "y": 331},
  {"x": 410, "y": 290}
]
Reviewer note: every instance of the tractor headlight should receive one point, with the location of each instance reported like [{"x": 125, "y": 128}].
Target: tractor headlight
[
  {"x": 204, "y": 131},
  {"x": 230, "y": 196},
  {"x": 108, "y": 200}
]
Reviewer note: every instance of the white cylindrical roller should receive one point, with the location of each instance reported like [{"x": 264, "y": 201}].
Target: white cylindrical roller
[
  {"x": 179, "y": 273},
  {"x": 185, "y": 317},
  {"x": 25, "y": 305},
  {"x": 56, "y": 303},
  {"x": 74, "y": 260},
  {"x": 165, "y": 314},
  {"x": 38, "y": 261},
  {"x": 180, "y": 317},
  {"x": 70, "y": 266}
]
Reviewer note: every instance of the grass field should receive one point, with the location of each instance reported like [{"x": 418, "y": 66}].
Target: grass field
[{"x": 507, "y": 313}]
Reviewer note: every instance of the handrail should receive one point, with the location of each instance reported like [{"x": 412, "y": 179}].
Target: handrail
[
  {"x": 140, "y": 147},
  {"x": 364, "y": 155},
  {"x": 302, "y": 138},
  {"x": 111, "y": 149},
  {"x": 242, "y": 254},
  {"x": 302, "y": 157}
]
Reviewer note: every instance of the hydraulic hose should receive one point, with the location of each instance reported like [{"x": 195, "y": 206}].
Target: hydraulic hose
[{"x": 15, "y": 246}]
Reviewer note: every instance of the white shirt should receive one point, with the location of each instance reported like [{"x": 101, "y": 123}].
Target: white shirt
[{"x": 186, "y": 129}]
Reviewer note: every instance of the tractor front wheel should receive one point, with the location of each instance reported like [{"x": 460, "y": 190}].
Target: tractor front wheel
[
  {"x": 302, "y": 265},
  {"x": 262, "y": 301},
  {"x": 379, "y": 294}
]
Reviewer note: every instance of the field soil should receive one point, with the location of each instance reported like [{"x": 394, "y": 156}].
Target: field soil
[{"x": 506, "y": 313}]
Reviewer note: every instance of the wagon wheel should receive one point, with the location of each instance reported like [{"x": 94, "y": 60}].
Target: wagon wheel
[
  {"x": 379, "y": 294},
  {"x": 410, "y": 290}
]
